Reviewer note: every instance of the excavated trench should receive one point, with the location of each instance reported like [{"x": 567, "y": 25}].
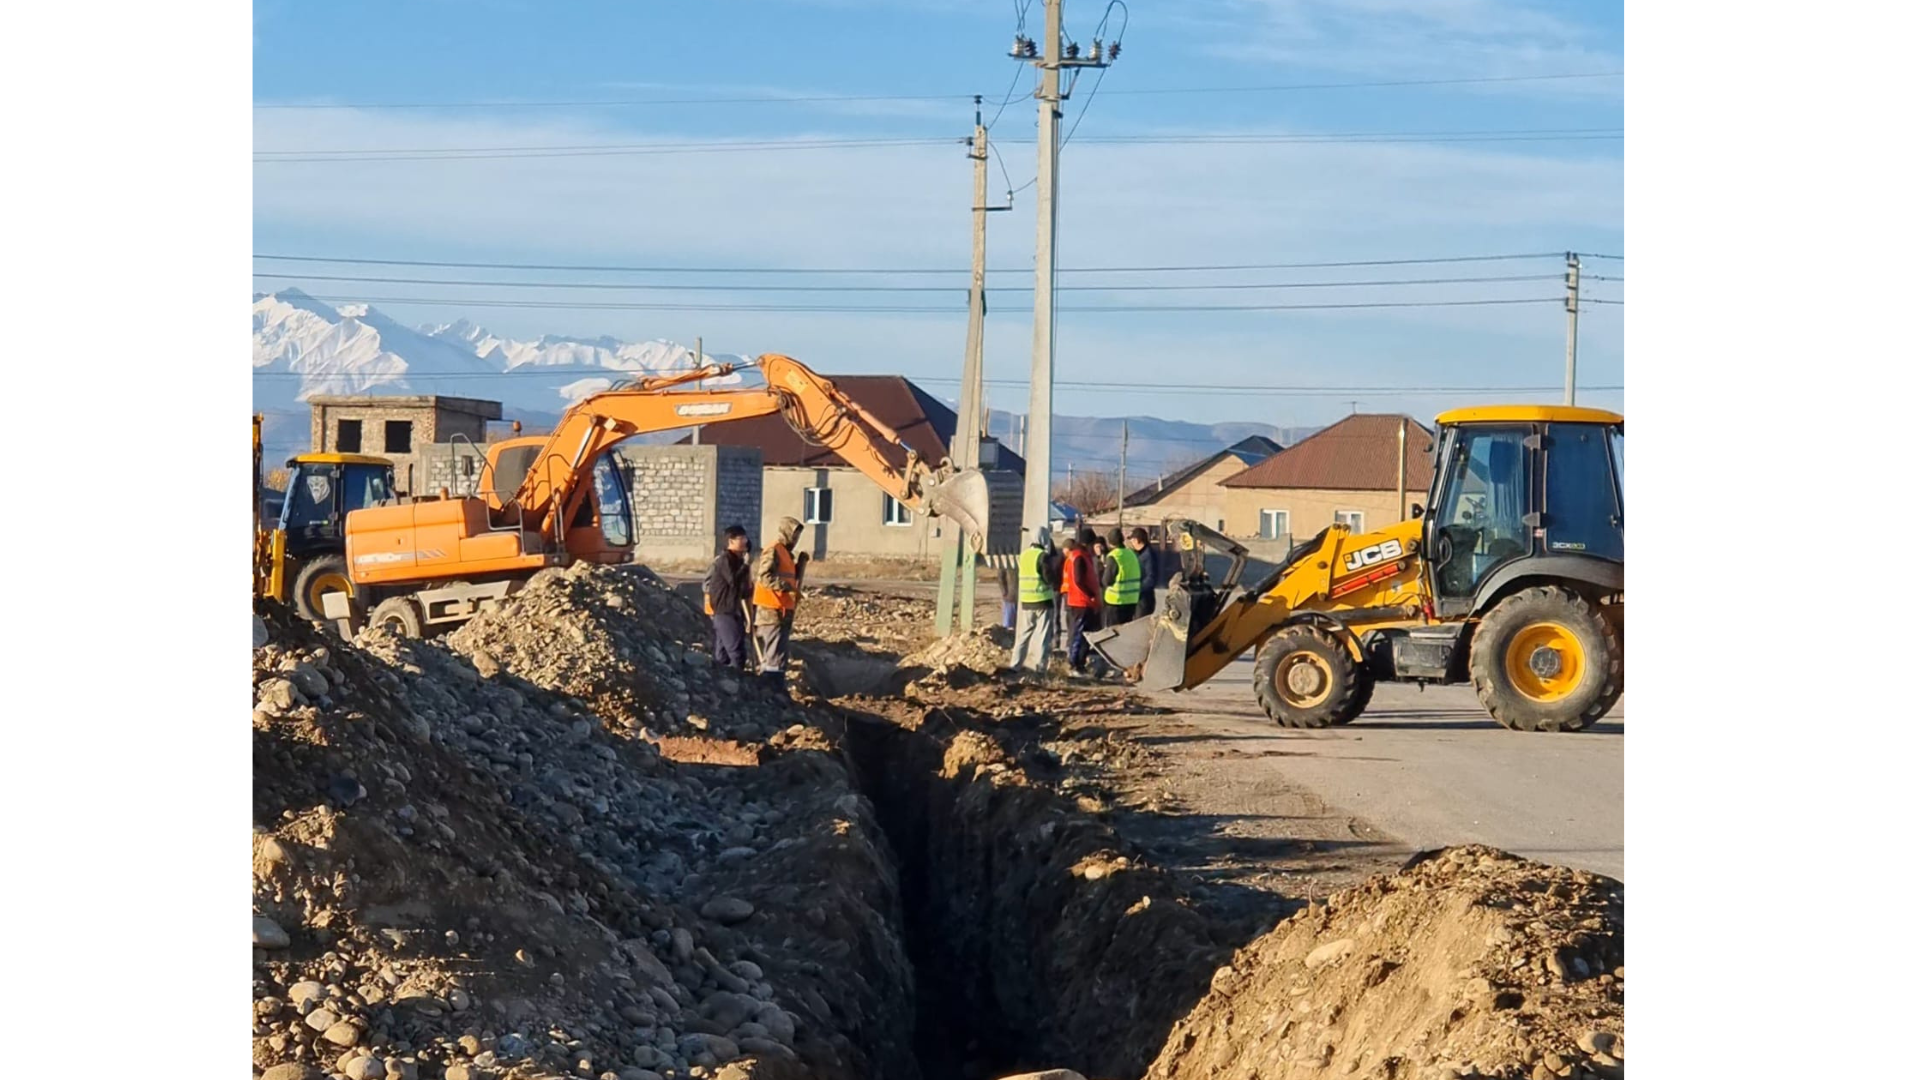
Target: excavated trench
[{"x": 1037, "y": 940}]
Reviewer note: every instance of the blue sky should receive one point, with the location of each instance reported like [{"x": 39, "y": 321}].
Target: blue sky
[{"x": 1122, "y": 203}]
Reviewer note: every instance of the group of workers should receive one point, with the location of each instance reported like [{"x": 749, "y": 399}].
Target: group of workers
[
  {"x": 1094, "y": 582},
  {"x": 767, "y": 593}
]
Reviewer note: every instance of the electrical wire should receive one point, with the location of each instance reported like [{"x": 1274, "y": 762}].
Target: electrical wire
[
  {"x": 1344, "y": 263},
  {"x": 644, "y": 287},
  {"x": 902, "y": 309}
]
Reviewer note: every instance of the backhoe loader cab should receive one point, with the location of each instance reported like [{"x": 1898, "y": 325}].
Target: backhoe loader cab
[
  {"x": 310, "y": 546},
  {"x": 1511, "y": 577}
]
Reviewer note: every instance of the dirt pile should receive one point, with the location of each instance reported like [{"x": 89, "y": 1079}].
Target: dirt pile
[
  {"x": 982, "y": 652},
  {"x": 1469, "y": 963},
  {"x": 621, "y": 641},
  {"x": 470, "y": 877},
  {"x": 873, "y": 621}
]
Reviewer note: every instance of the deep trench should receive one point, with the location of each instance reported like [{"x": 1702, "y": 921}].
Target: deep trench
[{"x": 1020, "y": 962}]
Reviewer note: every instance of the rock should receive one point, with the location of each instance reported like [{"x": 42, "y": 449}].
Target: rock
[
  {"x": 513, "y": 1045},
  {"x": 777, "y": 1022},
  {"x": 342, "y": 1034},
  {"x": 682, "y": 943},
  {"x": 278, "y": 696},
  {"x": 459, "y": 1000},
  {"x": 306, "y": 994},
  {"x": 726, "y": 910},
  {"x": 467, "y": 1072},
  {"x": 1599, "y": 1042},
  {"x": 268, "y": 935},
  {"x": 309, "y": 680},
  {"x": 321, "y": 1019},
  {"x": 766, "y": 1048},
  {"x": 259, "y": 639},
  {"x": 291, "y": 1070},
  {"x": 1046, "y": 1074},
  {"x": 639, "y": 1074},
  {"x": 1331, "y": 952},
  {"x": 730, "y": 1010},
  {"x": 366, "y": 1068}
]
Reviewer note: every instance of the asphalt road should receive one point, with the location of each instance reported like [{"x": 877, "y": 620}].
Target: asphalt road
[{"x": 1426, "y": 769}]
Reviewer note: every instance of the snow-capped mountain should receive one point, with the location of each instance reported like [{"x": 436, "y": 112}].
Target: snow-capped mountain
[{"x": 303, "y": 347}]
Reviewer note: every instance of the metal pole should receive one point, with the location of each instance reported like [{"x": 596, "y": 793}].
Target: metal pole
[
  {"x": 1573, "y": 317},
  {"x": 957, "y": 558},
  {"x": 699, "y": 352},
  {"x": 1403, "y": 469},
  {"x": 1039, "y": 441}
]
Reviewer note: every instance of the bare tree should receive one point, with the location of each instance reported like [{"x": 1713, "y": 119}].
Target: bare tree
[
  {"x": 277, "y": 479},
  {"x": 1090, "y": 491}
]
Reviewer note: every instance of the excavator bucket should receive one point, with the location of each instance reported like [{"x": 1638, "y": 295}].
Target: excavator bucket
[
  {"x": 1159, "y": 642},
  {"x": 962, "y": 499}
]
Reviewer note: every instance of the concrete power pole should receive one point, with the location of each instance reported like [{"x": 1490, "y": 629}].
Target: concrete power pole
[
  {"x": 956, "y": 560},
  {"x": 699, "y": 357},
  {"x": 1573, "y": 317},
  {"x": 1120, "y": 493}
]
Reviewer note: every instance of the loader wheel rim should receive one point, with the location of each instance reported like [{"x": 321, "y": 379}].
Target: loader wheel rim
[
  {"x": 1303, "y": 680},
  {"x": 322, "y": 584},
  {"x": 1545, "y": 662}
]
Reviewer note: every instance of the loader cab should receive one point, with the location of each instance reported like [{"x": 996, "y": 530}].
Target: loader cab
[
  {"x": 1519, "y": 490},
  {"x": 321, "y": 490}
]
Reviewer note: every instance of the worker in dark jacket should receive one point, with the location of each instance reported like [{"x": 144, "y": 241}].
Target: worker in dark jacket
[{"x": 728, "y": 587}]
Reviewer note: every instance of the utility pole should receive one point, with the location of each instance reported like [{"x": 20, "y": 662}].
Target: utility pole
[
  {"x": 1573, "y": 317},
  {"x": 1403, "y": 469},
  {"x": 1120, "y": 493},
  {"x": 956, "y": 559},
  {"x": 1039, "y": 444}
]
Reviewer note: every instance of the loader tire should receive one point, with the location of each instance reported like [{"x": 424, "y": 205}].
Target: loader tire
[
  {"x": 399, "y": 615},
  {"x": 1546, "y": 659},
  {"x": 1306, "y": 678},
  {"x": 318, "y": 576}
]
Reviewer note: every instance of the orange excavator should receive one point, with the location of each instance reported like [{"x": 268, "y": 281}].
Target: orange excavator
[{"x": 550, "y": 501}]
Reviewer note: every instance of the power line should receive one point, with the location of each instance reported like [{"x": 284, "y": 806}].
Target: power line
[
  {"x": 907, "y": 310},
  {"x": 796, "y": 99},
  {"x": 481, "y": 153},
  {"x": 641, "y": 287},
  {"x": 1340, "y": 264}
]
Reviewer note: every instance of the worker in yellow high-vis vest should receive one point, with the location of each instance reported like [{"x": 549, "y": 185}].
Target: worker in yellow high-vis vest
[
  {"x": 1039, "y": 583},
  {"x": 1120, "y": 576}
]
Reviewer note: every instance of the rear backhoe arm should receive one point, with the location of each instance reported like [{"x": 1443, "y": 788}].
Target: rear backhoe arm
[{"x": 816, "y": 409}]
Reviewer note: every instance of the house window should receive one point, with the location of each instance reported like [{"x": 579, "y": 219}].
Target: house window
[
  {"x": 896, "y": 511},
  {"x": 1354, "y": 520},
  {"x": 1273, "y": 525},
  {"x": 399, "y": 436},
  {"x": 346, "y": 437},
  {"x": 819, "y": 506}
]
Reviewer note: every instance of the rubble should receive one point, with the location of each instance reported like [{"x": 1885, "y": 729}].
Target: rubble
[{"x": 1468, "y": 963}]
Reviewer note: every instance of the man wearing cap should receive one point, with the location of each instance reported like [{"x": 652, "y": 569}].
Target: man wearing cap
[
  {"x": 776, "y": 592},
  {"x": 1119, "y": 580},
  {"x": 1149, "y": 570},
  {"x": 1038, "y": 583},
  {"x": 729, "y": 583},
  {"x": 1080, "y": 582}
]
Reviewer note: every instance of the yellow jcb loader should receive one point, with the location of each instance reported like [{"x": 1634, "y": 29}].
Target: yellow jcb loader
[{"x": 1511, "y": 577}]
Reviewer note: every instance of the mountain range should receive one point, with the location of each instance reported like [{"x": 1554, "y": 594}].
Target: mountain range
[{"x": 303, "y": 347}]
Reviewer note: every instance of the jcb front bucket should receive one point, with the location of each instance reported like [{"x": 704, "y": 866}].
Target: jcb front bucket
[
  {"x": 1159, "y": 639},
  {"x": 962, "y": 499}
]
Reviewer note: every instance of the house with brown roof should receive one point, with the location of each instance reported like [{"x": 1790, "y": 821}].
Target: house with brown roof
[
  {"x": 846, "y": 514},
  {"x": 1348, "y": 473},
  {"x": 1194, "y": 492}
]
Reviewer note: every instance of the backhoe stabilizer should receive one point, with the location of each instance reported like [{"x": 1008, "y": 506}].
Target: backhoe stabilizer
[{"x": 961, "y": 498}]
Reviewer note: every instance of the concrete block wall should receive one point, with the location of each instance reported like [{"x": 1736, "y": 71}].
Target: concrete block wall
[
  {"x": 739, "y": 488},
  {"x": 678, "y": 502},
  {"x": 456, "y": 467}
]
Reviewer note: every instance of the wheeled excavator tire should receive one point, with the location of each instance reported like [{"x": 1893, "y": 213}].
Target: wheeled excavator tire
[
  {"x": 399, "y": 615},
  {"x": 1545, "y": 659},
  {"x": 318, "y": 576},
  {"x": 1304, "y": 677}
]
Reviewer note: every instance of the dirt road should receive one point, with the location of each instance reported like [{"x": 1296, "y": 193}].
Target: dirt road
[{"x": 1418, "y": 770}]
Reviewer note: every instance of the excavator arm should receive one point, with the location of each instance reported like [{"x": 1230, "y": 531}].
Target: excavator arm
[{"x": 818, "y": 411}]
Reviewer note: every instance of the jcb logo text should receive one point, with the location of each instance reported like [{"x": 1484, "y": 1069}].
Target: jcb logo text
[{"x": 1369, "y": 556}]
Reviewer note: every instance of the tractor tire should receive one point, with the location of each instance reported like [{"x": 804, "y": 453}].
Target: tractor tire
[
  {"x": 318, "y": 576},
  {"x": 1304, "y": 677},
  {"x": 399, "y": 615},
  {"x": 1546, "y": 659}
]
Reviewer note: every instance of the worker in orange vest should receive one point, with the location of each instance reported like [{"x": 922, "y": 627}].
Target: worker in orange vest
[
  {"x": 776, "y": 592},
  {"x": 1080, "y": 582}
]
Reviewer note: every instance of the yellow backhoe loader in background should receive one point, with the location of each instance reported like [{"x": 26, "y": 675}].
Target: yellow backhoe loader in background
[{"x": 1512, "y": 577}]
